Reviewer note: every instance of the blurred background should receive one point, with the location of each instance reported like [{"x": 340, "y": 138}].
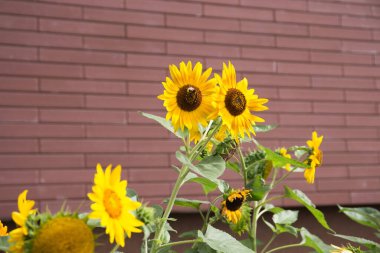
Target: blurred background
[{"x": 75, "y": 73}]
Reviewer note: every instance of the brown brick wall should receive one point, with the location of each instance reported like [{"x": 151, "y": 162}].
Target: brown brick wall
[{"x": 74, "y": 73}]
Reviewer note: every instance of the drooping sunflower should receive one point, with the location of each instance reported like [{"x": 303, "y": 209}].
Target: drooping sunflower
[
  {"x": 340, "y": 250},
  {"x": 231, "y": 206},
  {"x": 285, "y": 154},
  {"x": 3, "y": 229},
  {"x": 235, "y": 103},
  {"x": 315, "y": 157},
  {"x": 188, "y": 96},
  {"x": 112, "y": 206},
  {"x": 16, "y": 236}
]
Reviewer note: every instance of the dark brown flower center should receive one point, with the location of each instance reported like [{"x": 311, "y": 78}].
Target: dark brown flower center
[
  {"x": 235, "y": 204},
  {"x": 189, "y": 98},
  {"x": 235, "y": 102}
]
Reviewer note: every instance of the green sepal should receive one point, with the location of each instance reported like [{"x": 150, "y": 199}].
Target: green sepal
[{"x": 243, "y": 223}]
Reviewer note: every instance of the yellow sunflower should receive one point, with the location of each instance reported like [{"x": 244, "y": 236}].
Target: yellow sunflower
[
  {"x": 235, "y": 103},
  {"x": 340, "y": 250},
  {"x": 112, "y": 206},
  {"x": 285, "y": 154},
  {"x": 188, "y": 95},
  {"x": 3, "y": 229},
  {"x": 315, "y": 158},
  {"x": 16, "y": 236},
  {"x": 231, "y": 206}
]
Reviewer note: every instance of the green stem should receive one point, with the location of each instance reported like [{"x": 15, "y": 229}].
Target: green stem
[
  {"x": 269, "y": 243},
  {"x": 244, "y": 166},
  {"x": 284, "y": 247},
  {"x": 171, "y": 244},
  {"x": 114, "y": 248},
  {"x": 254, "y": 226},
  {"x": 283, "y": 177}
]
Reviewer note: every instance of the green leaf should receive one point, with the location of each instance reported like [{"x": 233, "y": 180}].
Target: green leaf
[
  {"x": 222, "y": 242},
  {"x": 189, "y": 234},
  {"x": 258, "y": 188},
  {"x": 369, "y": 244},
  {"x": 279, "y": 161},
  {"x": 285, "y": 217},
  {"x": 263, "y": 128},
  {"x": 165, "y": 123},
  {"x": 233, "y": 166},
  {"x": 212, "y": 167},
  {"x": 193, "y": 203},
  {"x": 207, "y": 185},
  {"x": 4, "y": 244},
  {"x": 273, "y": 209},
  {"x": 366, "y": 216},
  {"x": 312, "y": 241},
  {"x": 301, "y": 198},
  {"x": 280, "y": 228},
  {"x": 223, "y": 186}
]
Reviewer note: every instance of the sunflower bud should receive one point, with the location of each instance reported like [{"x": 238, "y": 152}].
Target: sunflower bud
[
  {"x": 145, "y": 214},
  {"x": 226, "y": 149}
]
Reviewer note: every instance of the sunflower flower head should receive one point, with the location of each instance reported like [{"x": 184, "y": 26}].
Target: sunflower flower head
[
  {"x": 315, "y": 157},
  {"x": 231, "y": 206},
  {"x": 188, "y": 96},
  {"x": 3, "y": 229},
  {"x": 235, "y": 103},
  {"x": 340, "y": 250},
  {"x": 112, "y": 206},
  {"x": 284, "y": 152}
]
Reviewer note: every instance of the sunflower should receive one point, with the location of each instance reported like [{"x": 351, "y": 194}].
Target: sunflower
[
  {"x": 3, "y": 230},
  {"x": 16, "y": 236},
  {"x": 231, "y": 206},
  {"x": 340, "y": 250},
  {"x": 315, "y": 157},
  {"x": 112, "y": 206},
  {"x": 284, "y": 153},
  {"x": 235, "y": 103},
  {"x": 188, "y": 96}
]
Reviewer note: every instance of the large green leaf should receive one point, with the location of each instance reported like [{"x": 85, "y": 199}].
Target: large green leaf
[
  {"x": 301, "y": 198},
  {"x": 165, "y": 123},
  {"x": 285, "y": 217},
  {"x": 4, "y": 244},
  {"x": 258, "y": 188},
  {"x": 193, "y": 203},
  {"x": 312, "y": 241},
  {"x": 207, "y": 185},
  {"x": 285, "y": 228},
  {"x": 366, "y": 216},
  {"x": 222, "y": 242},
  {"x": 279, "y": 161},
  {"x": 369, "y": 244}
]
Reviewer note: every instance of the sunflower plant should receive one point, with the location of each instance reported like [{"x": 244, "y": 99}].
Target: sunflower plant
[{"x": 215, "y": 116}]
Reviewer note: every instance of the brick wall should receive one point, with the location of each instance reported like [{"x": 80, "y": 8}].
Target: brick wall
[{"x": 74, "y": 73}]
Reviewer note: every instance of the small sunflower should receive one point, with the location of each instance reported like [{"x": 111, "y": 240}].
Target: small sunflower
[
  {"x": 235, "y": 103},
  {"x": 188, "y": 96},
  {"x": 315, "y": 157},
  {"x": 231, "y": 206},
  {"x": 112, "y": 206},
  {"x": 3, "y": 229},
  {"x": 340, "y": 250},
  {"x": 284, "y": 153}
]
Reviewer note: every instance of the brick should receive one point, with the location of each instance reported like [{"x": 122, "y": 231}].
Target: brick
[
  {"x": 376, "y": 35},
  {"x": 39, "y": 69},
  {"x": 366, "y": 96},
  {"x": 284, "y": 4},
  {"x": 203, "y": 50},
  {"x": 343, "y": 83},
  {"x": 279, "y": 80},
  {"x": 361, "y": 47},
  {"x": 121, "y": 16},
  {"x": 349, "y": 133},
  {"x": 363, "y": 145},
  {"x": 40, "y": 161},
  {"x": 67, "y": 176},
  {"x": 137, "y": 131},
  {"x": 83, "y": 146},
  {"x": 18, "y": 22},
  {"x": 40, "y": 39},
  {"x": 40, "y": 9},
  {"x": 311, "y": 94},
  {"x": 83, "y": 86},
  {"x": 18, "y": 83},
  {"x": 350, "y": 158},
  {"x": 63, "y": 26},
  {"x": 18, "y": 53},
  {"x": 201, "y": 23},
  {"x": 339, "y": 8},
  {"x": 18, "y": 177},
  {"x": 347, "y": 108},
  {"x": 289, "y": 106},
  {"x": 100, "y": 3},
  {"x": 312, "y": 69},
  {"x": 83, "y": 116},
  {"x": 331, "y": 172},
  {"x": 239, "y": 39},
  {"x": 151, "y": 175},
  {"x": 124, "y": 45},
  {"x": 237, "y": 12},
  {"x": 340, "y": 33},
  {"x": 129, "y": 160},
  {"x": 275, "y": 54},
  {"x": 362, "y": 22},
  {"x": 361, "y": 71},
  {"x": 165, "y": 6},
  {"x": 364, "y": 171},
  {"x": 341, "y": 58},
  {"x": 348, "y": 184},
  {"x": 154, "y": 146},
  {"x": 143, "y": 88},
  {"x": 273, "y": 28},
  {"x": 18, "y": 115},
  {"x": 245, "y": 65},
  {"x": 229, "y": 2},
  {"x": 308, "y": 43},
  {"x": 311, "y": 120},
  {"x": 151, "y": 189},
  {"x": 158, "y": 61},
  {"x": 167, "y": 34},
  {"x": 306, "y": 18},
  {"x": 119, "y": 73},
  {"x": 41, "y": 130},
  {"x": 40, "y": 99},
  {"x": 18, "y": 146},
  {"x": 365, "y": 197},
  {"x": 330, "y": 199},
  {"x": 138, "y": 103},
  {"x": 78, "y": 56},
  {"x": 265, "y": 92},
  {"x": 327, "y": 146},
  {"x": 135, "y": 117}
]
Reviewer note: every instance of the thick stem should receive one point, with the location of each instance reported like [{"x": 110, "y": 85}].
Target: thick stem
[{"x": 284, "y": 247}]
